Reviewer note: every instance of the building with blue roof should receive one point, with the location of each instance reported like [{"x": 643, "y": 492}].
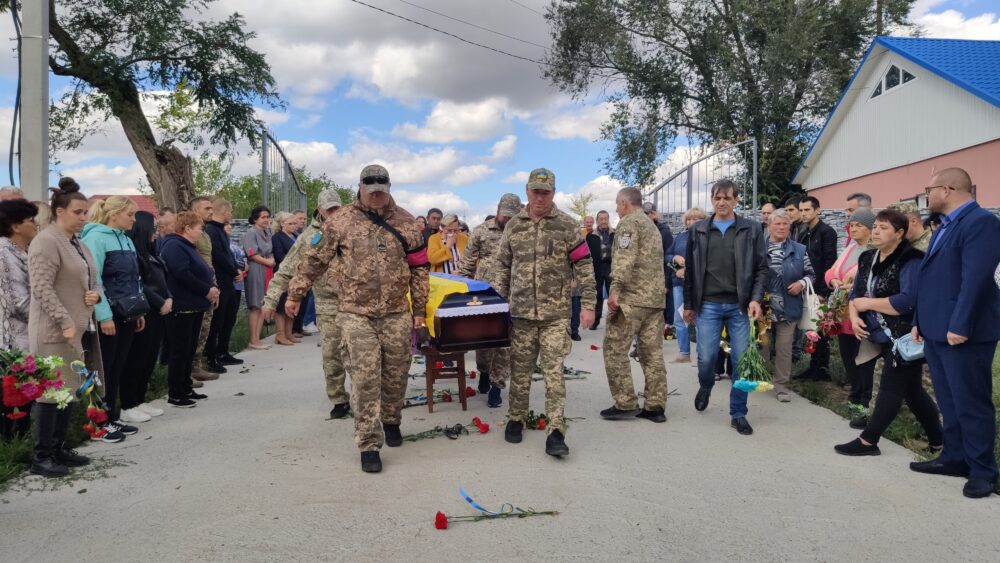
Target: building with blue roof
[{"x": 913, "y": 106}]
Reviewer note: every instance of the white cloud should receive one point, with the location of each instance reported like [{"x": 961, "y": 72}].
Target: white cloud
[
  {"x": 469, "y": 174},
  {"x": 418, "y": 203},
  {"x": 582, "y": 122},
  {"x": 271, "y": 117},
  {"x": 952, "y": 24},
  {"x": 310, "y": 121},
  {"x": 101, "y": 179},
  {"x": 517, "y": 178},
  {"x": 451, "y": 121},
  {"x": 504, "y": 148},
  {"x": 604, "y": 189}
]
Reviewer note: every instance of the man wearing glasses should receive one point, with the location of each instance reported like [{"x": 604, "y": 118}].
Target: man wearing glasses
[
  {"x": 956, "y": 316},
  {"x": 382, "y": 256}
]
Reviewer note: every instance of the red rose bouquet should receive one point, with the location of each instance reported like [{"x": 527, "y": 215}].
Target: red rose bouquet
[{"x": 27, "y": 378}]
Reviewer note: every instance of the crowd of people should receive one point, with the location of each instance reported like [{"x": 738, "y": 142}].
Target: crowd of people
[{"x": 109, "y": 284}]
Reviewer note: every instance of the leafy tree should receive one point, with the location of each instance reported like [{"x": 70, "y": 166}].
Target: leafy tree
[
  {"x": 714, "y": 71},
  {"x": 579, "y": 204},
  {"x": 115, "y": 50}
]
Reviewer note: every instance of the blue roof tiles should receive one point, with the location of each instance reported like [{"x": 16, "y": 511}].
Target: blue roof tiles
[{"x": 972, "y": 65}]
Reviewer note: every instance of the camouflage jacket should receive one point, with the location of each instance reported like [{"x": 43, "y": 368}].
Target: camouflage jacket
[
  {"x": 536, "y": 261},
  {"x": 477, "y": 262},
  {"x": 637, "y": 262},
  {"x": 375, "y": 271},
  {"x": 279, "y": 283}
]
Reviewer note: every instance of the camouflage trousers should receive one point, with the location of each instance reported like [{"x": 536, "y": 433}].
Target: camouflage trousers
[
  {"x": 378, "y": 359},
  {"x": 496, "y": 362},
  {"x": 333, "y": 361},
  {"x": 548, "y": 344},
  {"x": 623, "y": 326},
  {"x": 206, "y": 324}
]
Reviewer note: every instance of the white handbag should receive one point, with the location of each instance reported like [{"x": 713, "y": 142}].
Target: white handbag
[{"x": 810, "y": 307}]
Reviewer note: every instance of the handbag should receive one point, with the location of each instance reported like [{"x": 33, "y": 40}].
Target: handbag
[
  {"x": 810, "y": 307},
  {"x": 130, "y": 307},
  {"x": 904, "y": 347}
]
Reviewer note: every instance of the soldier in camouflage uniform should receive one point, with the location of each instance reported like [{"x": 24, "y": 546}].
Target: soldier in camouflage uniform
[
  {"x": 478, "y": 262},
  {"x": 381, "y": 255},
  {"x": 203, "y": 207},
  {"x": 542, "y": 249},
  {"x": 919, "y": 237},
  {"x": 635, "y": 308},
  {"x": 326, "y": 302}
]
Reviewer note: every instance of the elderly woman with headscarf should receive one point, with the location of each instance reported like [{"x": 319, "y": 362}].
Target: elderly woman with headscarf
[{"x": 445, "y": 248}]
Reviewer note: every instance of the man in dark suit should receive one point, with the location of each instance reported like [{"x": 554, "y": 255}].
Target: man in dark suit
[{"x": 957, "y": 312}]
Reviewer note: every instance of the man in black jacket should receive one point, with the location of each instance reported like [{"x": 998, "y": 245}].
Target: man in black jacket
[
  {"x": 726, "y": 271},
  {"x": 217, "y": 345},
  {"x": 820, "y": 241},
  {"x": 602, "y": 262},
  {"x": 668, "y": 240}
]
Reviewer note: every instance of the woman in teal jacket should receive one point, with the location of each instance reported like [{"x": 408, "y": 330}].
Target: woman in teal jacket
[{"x": 120, "y": 313}]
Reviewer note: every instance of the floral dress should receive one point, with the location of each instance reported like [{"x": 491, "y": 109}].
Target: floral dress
[{"x": 15, "y": 298}]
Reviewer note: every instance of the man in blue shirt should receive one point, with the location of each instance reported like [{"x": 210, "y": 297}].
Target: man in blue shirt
[{"x": 957, "y": 312}]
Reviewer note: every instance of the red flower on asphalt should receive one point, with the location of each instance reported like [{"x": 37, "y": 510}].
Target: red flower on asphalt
[
  {"x": 484, "y": 428},
  {"x": 594, "y": 347},
  {"x": 439, "y": 365},
  {"x": 541, "y": 424},
  {"x": 472, "y": 375},
  {"x": 446, "y": 397},
  {"x": 440, "y": 521},
  {"x": 470, "y": 392}
]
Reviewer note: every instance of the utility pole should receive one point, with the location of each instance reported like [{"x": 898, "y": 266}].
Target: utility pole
[{"x": 34, "y": 157}]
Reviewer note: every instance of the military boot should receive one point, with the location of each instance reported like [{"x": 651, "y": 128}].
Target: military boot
[
  {"x": 555, "y": 444},
  {"x": 512, "y": 433},
  {"x": 43, "y": 461},
  {"x": 484, "y": 382},
  {"x": 393, "y": 437},
  {"x": 371, "y": 462}
]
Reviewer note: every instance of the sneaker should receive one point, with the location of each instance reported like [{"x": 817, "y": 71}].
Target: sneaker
[
  {"x": 393, "y": 437},
  {"x": 615, "y": 413},
  {"x": 48, "y": 466},
  {"x": 70, "y": 458},
  {"x": 229, "y": 360},
  {"x": 112, "y": 434},
  {"x": 340, "y": 411},
  {"x": 493, "y": 399},
  {"x": 184, "y": 403},
  {"x": 310, "y": 328},
  {"x": 150, "y": 409},
  {"x": 126, "y": 429},
  {"x": 555, "y": 444},
  {"x": 371, "y": 462},
  {"x": 134, "y": 415},
  {"x": 197, "y": 396},
  {"x": 512, "y": 433},
  {"x": 215, "y": 367},
  {"x": 857, "y": 448},
  {"x": 742, "y": 426},
  {"x": 484, "y": 383},
  {"x": 576, "y": 337},
  {"x": 654, "y": 415}
]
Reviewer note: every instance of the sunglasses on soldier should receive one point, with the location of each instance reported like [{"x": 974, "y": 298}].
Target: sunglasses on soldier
[{"x": 369, "y": 180}]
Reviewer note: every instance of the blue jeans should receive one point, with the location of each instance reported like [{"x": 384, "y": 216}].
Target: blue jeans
[
  {"x": 680, "y": 327},
  {"x": 574, "y": 322},
  {"x": 711, "y": 319},
  {"x": 310, "y": 315}
]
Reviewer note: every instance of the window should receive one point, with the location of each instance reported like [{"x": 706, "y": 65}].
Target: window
[{"x": 893, "y": 78}]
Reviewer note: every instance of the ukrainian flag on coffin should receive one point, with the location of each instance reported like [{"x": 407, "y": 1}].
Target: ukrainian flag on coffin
[{"x": 442, "y": 286}]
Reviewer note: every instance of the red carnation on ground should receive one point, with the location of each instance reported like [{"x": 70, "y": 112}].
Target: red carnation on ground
[
  {"x": 472, "y": 375},
  {"x": 439, "y": 364},
  {"x": 470, "y": 392},
  {"x": 594, "y": 347},
  {"x": 446, "y": 397},
  {"x": 440, "y": 521},
  {"x": 541, "y": 424}
]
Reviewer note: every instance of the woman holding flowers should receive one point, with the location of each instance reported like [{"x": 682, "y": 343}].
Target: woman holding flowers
[
  {"x": 789, "y": 271},
  {"x": 840, "y": 278},
  {"x": 61, "y": 319},
  {"x": 881, "y": 310}
]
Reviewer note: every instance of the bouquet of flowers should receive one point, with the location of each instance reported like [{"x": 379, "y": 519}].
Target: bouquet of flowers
[
  {"x": 751, "y": 369},
  {"x": 833, "y": 312},
  {"x": 27, "y": 378},
  {"x": 812, "y": 337}
]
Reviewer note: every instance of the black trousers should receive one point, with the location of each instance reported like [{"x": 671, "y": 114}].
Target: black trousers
[
  {"x": 232, "y": 312},
  {"x": 903, "y": 382},
  {"x": 141, "y": 360},
  {"x": 861, "y": 378},
  {"x": 603, "y": 286},
  {"x": 820, "y": 359},
  {"x": 114, "y": 355},
  {"x": 217, "y": 341},
  {"x": 183, "y": 328}
]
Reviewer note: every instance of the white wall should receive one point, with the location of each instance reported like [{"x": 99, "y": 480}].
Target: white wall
[{"x": 921, "y": 119}]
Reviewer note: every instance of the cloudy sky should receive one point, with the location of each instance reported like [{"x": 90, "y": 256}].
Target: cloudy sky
[{"x": 456, "y": 125}]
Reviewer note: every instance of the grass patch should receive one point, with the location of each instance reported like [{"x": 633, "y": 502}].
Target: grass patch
[{"x": 15, "y": 455}]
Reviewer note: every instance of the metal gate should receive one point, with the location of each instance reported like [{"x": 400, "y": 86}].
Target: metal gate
[
  {"x": 691, "y": 186},
  {"x": 279, "y": 188}
]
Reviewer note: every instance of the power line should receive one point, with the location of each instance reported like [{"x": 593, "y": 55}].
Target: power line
[
  {"x": 529, "y": 8},
  {"x": 462, "y": 39},
  {"x": 473, "y": 25}
]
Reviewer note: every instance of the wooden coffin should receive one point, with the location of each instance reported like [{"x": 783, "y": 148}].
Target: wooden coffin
[{"x": 472, "y": 321}]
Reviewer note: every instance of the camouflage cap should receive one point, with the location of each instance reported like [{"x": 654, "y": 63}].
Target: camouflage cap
[
  {"x": 328, "y": 199},
  {"x": 905, "y": 207},
  {"x": 541, "y": 179},
  {"x": 510, "y": 205},
  {"x": 375, "y": 171}
]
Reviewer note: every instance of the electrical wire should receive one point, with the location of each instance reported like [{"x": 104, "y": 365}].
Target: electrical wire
[
  {"x": 529, "y": 8},
  {"x": 449, "y": 34},
  {"x": 525, "y": 41},
  {"x": 15, "y": 130}
]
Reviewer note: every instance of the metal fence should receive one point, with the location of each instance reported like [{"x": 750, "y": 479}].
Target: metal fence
[
  {"x": 279, "y": 188},
  {"x": 691, "y": 185}
]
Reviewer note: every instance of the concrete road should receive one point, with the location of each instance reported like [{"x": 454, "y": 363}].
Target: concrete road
[{"x": 256, "y": 473}]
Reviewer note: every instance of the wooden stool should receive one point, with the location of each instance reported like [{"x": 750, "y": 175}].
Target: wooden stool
[{"x": 433, "y": 373}]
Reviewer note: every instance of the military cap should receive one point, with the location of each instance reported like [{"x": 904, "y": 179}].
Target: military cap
[
  {"x": 541, "y": 179},
  {"x": 328, "y": 199},
  {"x": 373, "y": 172},
  {"x": 905, "y": 207},
  {"x": 510, "y": 205}
]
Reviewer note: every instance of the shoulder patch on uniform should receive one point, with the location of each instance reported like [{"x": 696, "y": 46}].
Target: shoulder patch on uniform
[
  {"x": 317, "y": 236},
  {"x": 624, "y": 237}
]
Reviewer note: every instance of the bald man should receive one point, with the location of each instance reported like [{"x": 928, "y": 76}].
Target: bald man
[{"x": 956, "y": 312}]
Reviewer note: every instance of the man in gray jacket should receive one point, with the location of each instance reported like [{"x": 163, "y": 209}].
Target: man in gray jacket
[{"x": 726, "y": 272}]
